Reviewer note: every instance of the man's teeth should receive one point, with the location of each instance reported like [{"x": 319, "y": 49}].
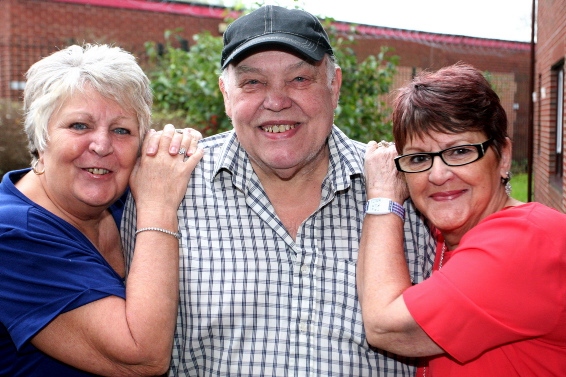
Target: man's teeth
[
  {"x": 279, "y": 128},
  {"x": 98, "y": 171}
]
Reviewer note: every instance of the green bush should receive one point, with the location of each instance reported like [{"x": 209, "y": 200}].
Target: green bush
[
  {"x": 362, "y": 112},
  {"x": 185, "y": 84}
]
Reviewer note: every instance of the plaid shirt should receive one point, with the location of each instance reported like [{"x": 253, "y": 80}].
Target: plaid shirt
[{"x": 255, "y": 302}]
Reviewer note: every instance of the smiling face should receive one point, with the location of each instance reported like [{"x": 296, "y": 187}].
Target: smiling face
[
  {"x": 456, "y": 198},
  {"x": 282, "y": 109},
  {"x": 92, "y": 148}
]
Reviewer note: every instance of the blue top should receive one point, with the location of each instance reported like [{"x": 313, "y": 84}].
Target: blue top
[{"x": 48, "y": 267}]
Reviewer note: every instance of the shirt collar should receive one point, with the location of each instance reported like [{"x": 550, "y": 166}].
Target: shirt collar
[{"x": 346, "y": 160}]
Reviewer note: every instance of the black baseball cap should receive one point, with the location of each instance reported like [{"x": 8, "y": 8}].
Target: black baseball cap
[{"x": 296, "y": 29}]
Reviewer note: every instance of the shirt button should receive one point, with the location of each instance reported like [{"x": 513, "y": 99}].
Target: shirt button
[
  {"x": 303, "y": 327},
  {"x": 304, "y": 269}
]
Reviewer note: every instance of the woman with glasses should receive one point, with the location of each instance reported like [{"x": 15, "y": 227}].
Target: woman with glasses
[{"x": 495, "y": 304}]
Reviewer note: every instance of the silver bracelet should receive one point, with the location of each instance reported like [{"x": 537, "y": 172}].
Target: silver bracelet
[{"x": 177, "y": 235}]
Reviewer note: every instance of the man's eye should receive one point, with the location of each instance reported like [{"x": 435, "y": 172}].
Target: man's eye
[
  {"x": 252, "y": 82},
  {"x": 301, "y": 81}
]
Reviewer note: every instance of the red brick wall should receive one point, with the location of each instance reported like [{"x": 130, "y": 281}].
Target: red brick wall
[{"x": 551, "y": 49}]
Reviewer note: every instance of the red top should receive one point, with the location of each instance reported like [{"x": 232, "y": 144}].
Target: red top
[{"x": 498, "y": 305}]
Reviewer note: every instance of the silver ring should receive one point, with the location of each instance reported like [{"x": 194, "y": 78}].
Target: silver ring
[{"x": 182, "y": 150}]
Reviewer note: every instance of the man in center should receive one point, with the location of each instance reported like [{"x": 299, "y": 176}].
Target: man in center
[{"x": 272, "y": 218}]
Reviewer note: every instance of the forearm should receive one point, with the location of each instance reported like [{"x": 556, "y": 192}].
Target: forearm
[
  {"x": 382, "y": 277},
  {"x": 139, "y": 336},
  {"x": 382, "y": 273},
  {"x": 152, "y": 289}
]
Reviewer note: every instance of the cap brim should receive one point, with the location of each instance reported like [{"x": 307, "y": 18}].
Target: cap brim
[{"x": 297, "y": 44}]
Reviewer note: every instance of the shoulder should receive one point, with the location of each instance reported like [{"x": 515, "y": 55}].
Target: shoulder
[
  {"x": 346, "y": 152},
  {"x": 520, "y": 229},
  {"x": 341, "y": 140},
  {"x": 532, "y": 214},
  {"x": 217, "y": 149},
  {"x": 538, "y": 210},
  {"x": 13, "y": 204},
  {"x": 215, "y": 141}
]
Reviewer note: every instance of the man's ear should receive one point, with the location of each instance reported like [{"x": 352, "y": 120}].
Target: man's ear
[
  {"x": 336, "y": 85},
  {"x": 226, "y": 96}
]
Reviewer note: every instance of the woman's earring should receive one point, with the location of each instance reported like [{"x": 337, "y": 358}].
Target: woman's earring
[
  {"x": 34, "y": 168},
  {"x": 507, "y": 184}
]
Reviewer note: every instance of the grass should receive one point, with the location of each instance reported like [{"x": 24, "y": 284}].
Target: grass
[{"x": 519, "y": 187}]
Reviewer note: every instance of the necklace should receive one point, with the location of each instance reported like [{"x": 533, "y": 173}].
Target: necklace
[
  {"x": 439, "y": 267},
  {"x": 442, "y": 255}
]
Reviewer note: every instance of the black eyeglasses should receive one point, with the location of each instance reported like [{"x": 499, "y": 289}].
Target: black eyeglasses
[{"x": 453, "y": 156}]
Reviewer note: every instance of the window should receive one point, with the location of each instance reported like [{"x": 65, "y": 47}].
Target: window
[
  {"x": 559, "y": 119},
  {"x": 538, "y": 100},
  {"x": 558, "y": 96}
]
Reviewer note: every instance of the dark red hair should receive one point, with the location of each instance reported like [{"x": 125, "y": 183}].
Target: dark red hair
[{"x": 452, "y": 100}]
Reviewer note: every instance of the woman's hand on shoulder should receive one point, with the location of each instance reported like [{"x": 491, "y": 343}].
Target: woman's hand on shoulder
[
  {"x": 167, "y": 160},
  {"x": 184, "y": 139}
]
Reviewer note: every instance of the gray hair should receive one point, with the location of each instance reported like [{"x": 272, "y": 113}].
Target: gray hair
[{"x": 111, "y": 71}]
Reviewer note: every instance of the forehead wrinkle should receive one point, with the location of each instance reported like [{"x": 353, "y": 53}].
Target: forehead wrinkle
[{"x": 245, "y": 68}]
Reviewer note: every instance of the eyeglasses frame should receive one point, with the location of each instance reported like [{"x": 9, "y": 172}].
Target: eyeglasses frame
[{"x": 481, "y": 148}]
